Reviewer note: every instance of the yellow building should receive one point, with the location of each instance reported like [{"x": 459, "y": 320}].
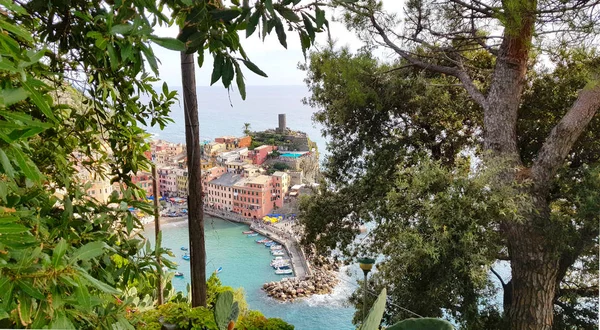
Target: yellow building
[{"x": 182, "y": 183}]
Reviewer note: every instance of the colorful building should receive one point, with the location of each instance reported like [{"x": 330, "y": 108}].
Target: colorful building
[
  {"x": 283, "y": 181},
  {"x": 182, "y": 182},
  {"x": 167, "y": 180},
  {"x": 259, "y": 154},
  {"x": 257, "y": 196}
]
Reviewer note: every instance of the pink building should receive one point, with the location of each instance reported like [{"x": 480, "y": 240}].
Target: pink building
[
  {"x": 259, "y": 154},
  {"x": 167, "y": 181},
  {"x": 255, "y": 197}
]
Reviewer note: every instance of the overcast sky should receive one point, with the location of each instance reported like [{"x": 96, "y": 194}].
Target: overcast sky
[{"x": 277, "y": 62}]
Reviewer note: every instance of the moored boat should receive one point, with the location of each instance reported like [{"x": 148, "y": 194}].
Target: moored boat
[
  {"x": 282, "y": 266},
  {"x": 178, "y": 274},
  {"x": 253, "y": 235},
  {"x": 186, "y": 257},
  {"x": 262, "y": 240},
  {"x": 248, "y": 232},
  {"x": 218, "y": 270},
  {"x": 284, "y": 271},
  {"x": 183, "y": 248},
  {"x": 277, "y": 252},
  {"x": 276, "y": 247},
  {"x": 269, "y": 244}
]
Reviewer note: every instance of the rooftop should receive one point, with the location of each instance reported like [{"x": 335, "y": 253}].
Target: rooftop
[
  {"x": 236, "y": 163},
  {"x": 279, "y": 173},
  {"x": 227, "y": 180}
]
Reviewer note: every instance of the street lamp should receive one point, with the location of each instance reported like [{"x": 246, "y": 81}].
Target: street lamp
[{"x": 366, "y": 264}]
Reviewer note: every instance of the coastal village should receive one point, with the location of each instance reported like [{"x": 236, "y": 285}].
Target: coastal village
[
  {"x": 254, "y": 179},
  {"x": 250, "y": 177}
]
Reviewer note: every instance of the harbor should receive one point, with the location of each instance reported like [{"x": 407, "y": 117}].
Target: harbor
[{"x": 246, "y": 265}]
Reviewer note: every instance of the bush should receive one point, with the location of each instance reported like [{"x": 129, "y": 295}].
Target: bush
[
  {"x": 255, "y": 320},
  {"x": 281, "y": 166}
]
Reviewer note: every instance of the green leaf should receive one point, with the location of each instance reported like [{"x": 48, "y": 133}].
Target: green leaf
[
  {"x": 39, "y": 100},
  {"x": 309, "y": 27},
  {"x": 373, "y": 319},
  {"x": 28, "y": 288},
  {"x": 222, "y": 309},
  {"x": 59, "y": 252},
  {"x": 150, "y": 58},
  {"x": 226, "y": 15},
  {"x": 280, "y": 33},
  {"x": 11, "y": 96},
  {"x": 88, "y": 251},
  {"x": 269, "y": 5},
  {"x": 121, "y": 29},
  {"x": 112, "y": 56},
  {"x": 83, "y": 296},
  {"x": 239, "y": 79},
  {"x": 320, "y": 13},
  {"x": 98, "y": 284},
  {"x": 288, "y": 14},
  {"x": 25, "y": 164},
  {"x": 254, "y": 68},
  {"x": 25, "y": 309},
  {"x": 217, "y": 68},
  {"x": 200, "y": 57},
  {"x": 12, "y": 228},
  {"x": 228, "y": 73},
  {"x": 24, "y": 118},
  {"x": 169, "y": 43},
  {"x": 61, "y": 321},
  {"x": 252, "y": 23},
  {"x": 16, "y": 30},
  {"x": 6, "y": 165}
]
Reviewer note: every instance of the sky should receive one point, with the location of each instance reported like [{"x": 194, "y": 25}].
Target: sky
[{"x": 278, "y": 63}]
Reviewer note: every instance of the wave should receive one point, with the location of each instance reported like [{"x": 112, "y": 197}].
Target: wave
[{"x": 341, "y": 292}]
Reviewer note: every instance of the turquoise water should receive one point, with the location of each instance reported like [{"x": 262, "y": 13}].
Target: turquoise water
[
  {"x": 292, "y": 154},
  {"x": 246, "y": 264}
]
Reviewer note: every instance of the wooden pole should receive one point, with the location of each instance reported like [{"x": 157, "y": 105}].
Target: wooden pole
[
  {"x": 156, "y": 232},
  {"x": 195, "y": 202}
]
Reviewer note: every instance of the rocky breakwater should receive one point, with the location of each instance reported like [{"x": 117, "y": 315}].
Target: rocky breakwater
[{"x": 323, "y": 280}]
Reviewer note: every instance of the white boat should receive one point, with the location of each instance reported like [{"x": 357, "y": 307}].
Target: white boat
[
  {"x": 277, "y": 252},
  {"x": 276, "y": 247},
  {"x": 283, "y": 264},
  {"x": 284, "y": 271},
  {"x": 280, "y": 261}
]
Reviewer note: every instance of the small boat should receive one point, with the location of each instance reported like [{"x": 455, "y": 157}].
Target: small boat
[
  {"x": 276, "y": 247},
  {"x": 183, "y": 248},
  {"x": 269, "y": 244},
  {"x": 282, "y": 266},
  {"x": 268, "y": 241},
  {"x": 262, "y": 240},
  {"x": 248, "y": 232},
  {"x": 218, "y": 270},
  {"x": 253, "y": 235},
  {"x": 178, "y": 274},
  {"x": 283, "y": 271},
  {"x": 186, "y": 257},
  {"x": 277, "y": 252}
]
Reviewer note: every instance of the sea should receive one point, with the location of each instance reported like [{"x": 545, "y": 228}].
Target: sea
[
  {"x": 222, "y": 112},
  {"x": 245, "y": 264}
]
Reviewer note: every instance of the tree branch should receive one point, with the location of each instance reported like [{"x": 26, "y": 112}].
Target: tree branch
[
  {"x": 498, "y": 276},
  {"x": 461, "y": 75},
  {"x": 562, "y": 137}
]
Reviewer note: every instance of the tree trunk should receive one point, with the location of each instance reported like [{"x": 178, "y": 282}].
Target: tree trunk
[
  {"x": 534, "y": 271},
  {"x": 195, "y": 201}
]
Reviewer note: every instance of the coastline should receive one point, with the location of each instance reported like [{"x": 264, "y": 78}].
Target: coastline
[{"x": 308, "y": 279}]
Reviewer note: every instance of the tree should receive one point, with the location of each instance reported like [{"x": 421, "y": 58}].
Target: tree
[
  {"x": 210, "y": 25},
  {"x": 247, "y": 129},
  {"x": 514, "y": 32},
  {"x": 71, "y": 78},
  {"x": 397, "y": 135}
]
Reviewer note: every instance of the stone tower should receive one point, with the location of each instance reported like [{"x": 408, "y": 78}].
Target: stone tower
[{"x": 282, "y": 123}]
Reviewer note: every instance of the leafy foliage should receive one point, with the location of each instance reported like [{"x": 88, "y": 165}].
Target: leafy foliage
[
  {"x": 185, "y": 317},
  {"x": 401, "y": 159},
  {"x": 70, "y": 105},
  {"x": 209, "y": 25}
]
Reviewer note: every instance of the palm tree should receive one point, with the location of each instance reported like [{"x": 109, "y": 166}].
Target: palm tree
[{"x": 247, "y": 129}]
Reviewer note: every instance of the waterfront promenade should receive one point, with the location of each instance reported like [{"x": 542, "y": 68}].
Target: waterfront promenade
[{"x": 289, "y": 242}]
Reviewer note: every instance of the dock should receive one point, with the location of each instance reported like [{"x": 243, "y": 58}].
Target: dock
[{"x": 291, "y": 245}]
